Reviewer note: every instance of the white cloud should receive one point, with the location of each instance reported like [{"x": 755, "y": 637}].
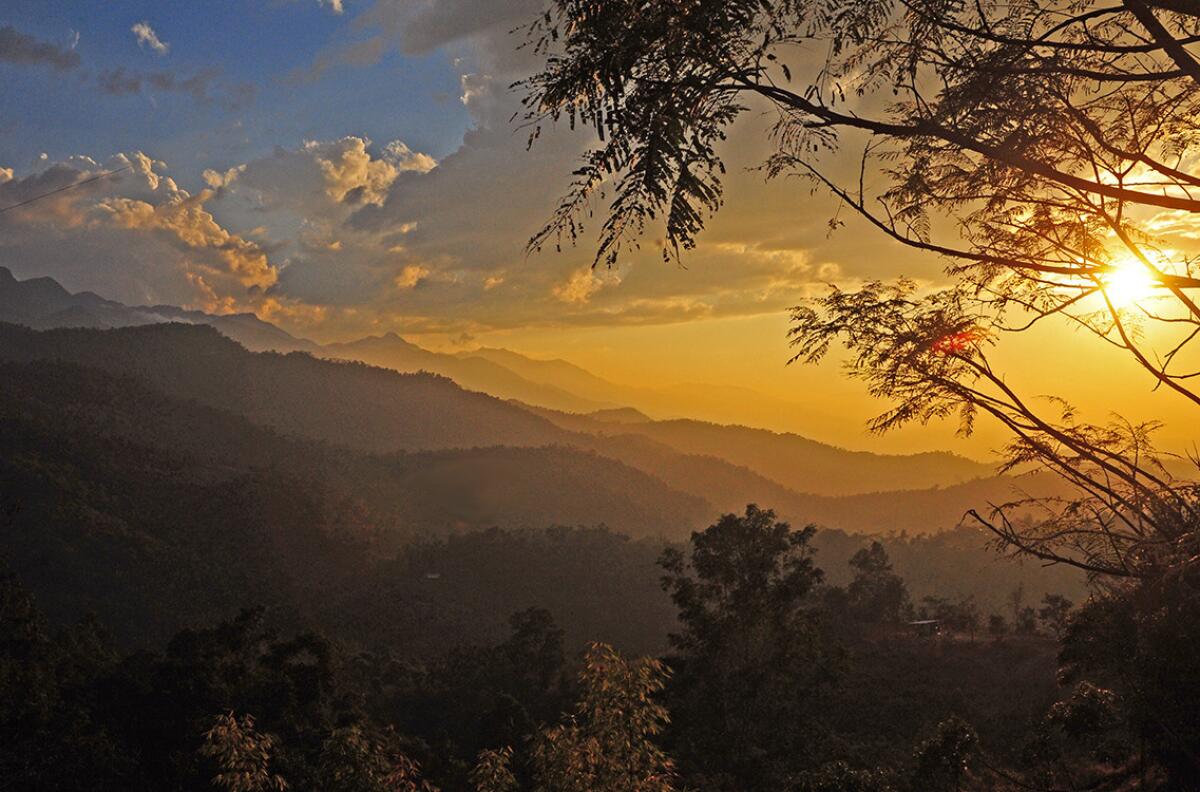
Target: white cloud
[
  {"x": 582, "y": 285},
  {"x": 410, "y": 276},
  {"x": 146, "y": 37},
  {"x": 405, "y": 159},
  {"x": 216, "y": 179},
  {"x": 336, "y": 6},
  {"x": 134, "y": 236}
]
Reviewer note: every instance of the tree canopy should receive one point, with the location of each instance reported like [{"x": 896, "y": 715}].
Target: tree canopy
[{"x": 1039, "y": 147}]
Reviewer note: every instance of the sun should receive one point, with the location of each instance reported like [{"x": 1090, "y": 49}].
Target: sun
[{"x": 1128, "y": 283}]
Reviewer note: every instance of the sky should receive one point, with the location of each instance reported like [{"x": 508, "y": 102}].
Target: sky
[{"x": 350, "y": 167}]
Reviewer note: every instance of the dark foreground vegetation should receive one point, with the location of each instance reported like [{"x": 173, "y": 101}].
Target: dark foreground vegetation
[
  {"x": 201, "y": 597},
  {"x": 773, "y": 680}
]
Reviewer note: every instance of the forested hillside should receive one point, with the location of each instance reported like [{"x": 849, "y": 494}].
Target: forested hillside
[
  {"x": 128, "y": 487},
  {"x": 377, "y": 410}
]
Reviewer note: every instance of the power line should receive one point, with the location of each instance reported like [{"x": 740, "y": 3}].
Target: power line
[{"x": 71, "y": 186}]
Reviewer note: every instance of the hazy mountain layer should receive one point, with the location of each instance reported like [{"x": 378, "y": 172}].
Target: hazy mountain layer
[
  {"x": 351, "y": 404},
  {"x": 376, "y": 410},
  {"x": 380, "y": 411},
  {"x": 164, "y": 475},
  {"x": 796, "y": 462},
  {"x": 473, "y": 373}
]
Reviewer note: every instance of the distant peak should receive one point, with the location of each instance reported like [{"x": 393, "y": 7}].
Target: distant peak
[{"x": 390, "y": 337}]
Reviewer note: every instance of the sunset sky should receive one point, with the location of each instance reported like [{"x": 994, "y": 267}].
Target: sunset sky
[{"x": 348, "y": 167}]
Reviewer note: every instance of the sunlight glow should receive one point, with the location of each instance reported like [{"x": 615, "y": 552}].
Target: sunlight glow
[{"x": 1128, "y": 283}]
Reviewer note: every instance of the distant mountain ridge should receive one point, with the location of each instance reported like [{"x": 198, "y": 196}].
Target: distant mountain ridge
[
  {"x": 791, "y": 462},
  {"x": 43, "y": 304},
  {"x": 470, "y": 371},
  {"x": 796, "y": 462},
  {"x": 351, "y": 404},
  {"x": 158, "y": 512},
  {"x": 471, "y": 481}
]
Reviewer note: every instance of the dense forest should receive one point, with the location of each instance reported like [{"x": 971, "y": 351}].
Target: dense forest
[{"x": 772, "y": 677}]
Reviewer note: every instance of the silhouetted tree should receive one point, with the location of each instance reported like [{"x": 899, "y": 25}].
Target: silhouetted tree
[
  {"x": 1055, "y": 613},
  {"x": 354, "y": 760},
  {"x": 1026, "y": 621},
  {"x": 242, "y": 755},
  {"x": 608, "y": 744},
  {"x": 959, "y": 615},
  {"x": 1140, "y": 650},
  {"x": 876, "y": 594},
  {"x": 493, "y": 771},
  {"x": 1053, "y": 138},
  {"x": 840, "y": 777},
  {"x": 753, "y": 664}
]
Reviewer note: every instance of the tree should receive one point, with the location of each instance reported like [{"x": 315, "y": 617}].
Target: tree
[
  {"x": 1055, "y": 613},
  {"x": 493, "y": 771},
  {"x": 942, "y": 761},
  {"x": 608, "y": 745},
  {"x": 488, "y": 695},
  {"x": 242, "y": 755},
  {"x": 997, "y": 626},
  {"x": 1025, "y": 622},
  {"x": 1016, "y": 602},
  {"x": 1034, "y": 146},
  {"x": 840, "y": 777},
  {"x": 960, "y": 615},
  {"x": 353, "y": 760},
  {"x": 752, "y": 660},
  {"x": 876, "y": 594},
  {"x": 1141, "y": 649}
]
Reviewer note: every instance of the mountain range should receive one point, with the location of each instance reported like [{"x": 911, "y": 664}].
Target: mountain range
[
  {"x": 169, "y": 472},
  {"x": 566, "y": 396}
]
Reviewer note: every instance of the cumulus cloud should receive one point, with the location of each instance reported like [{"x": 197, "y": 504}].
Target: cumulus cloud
[
  {"x": 344, "y": 236},
  {"x": 216, "y": 179},
  {"x": 336, "y": 6},
  {"x": 351, "y": 174},
  {"x": 410, "y": 276},
  {"x": 135, "y": 236},
  {"x": 322, "y": 179},
  {"x": 405, "y": 159},
  {"x": 146, "y": 37},
  {"x": 580, "y": 287},
  {"x": 20, "y": 48},
  {"x": 302, "y": 199},
  {"x": 183, "y": 219}
]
